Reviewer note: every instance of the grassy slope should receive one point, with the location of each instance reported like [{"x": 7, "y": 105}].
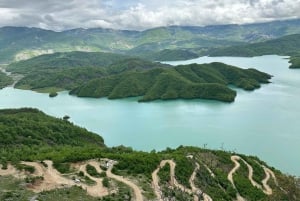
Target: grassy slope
[
  {"x": 191, "y": 81},
  {"x": 18, "y": 123}
]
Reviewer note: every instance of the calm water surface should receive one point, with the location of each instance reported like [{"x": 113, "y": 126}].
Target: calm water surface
[{"x": 264, "y": 122}]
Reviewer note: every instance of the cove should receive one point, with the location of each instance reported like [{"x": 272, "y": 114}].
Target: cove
[{"x": 263, "y": 122}]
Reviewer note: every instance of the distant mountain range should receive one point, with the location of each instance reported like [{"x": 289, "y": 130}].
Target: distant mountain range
[
  {"x": 287, "y": 45},
  {"x": 18, "y": 43}
]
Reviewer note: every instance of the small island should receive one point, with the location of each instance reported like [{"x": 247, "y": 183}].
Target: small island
[{"x": 53, "y": 94}]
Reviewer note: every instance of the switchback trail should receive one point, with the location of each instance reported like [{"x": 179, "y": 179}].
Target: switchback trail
[
  {"x": 264, "y": 187},
  {"x": 173, "y": 182}
]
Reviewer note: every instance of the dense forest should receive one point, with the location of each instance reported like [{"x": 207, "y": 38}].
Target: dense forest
[{"x": 30, "y": 135}]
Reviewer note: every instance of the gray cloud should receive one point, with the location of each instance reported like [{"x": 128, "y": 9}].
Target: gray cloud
[{"x": 141, "y": 14}]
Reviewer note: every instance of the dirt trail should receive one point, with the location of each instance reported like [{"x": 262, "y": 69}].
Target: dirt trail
[
  {"x": 269, "y": 173},
  {"x": 155, "y": 185},
  {"x": 173, "y": 182},
  {"x": 210, "y": 171},
  {"x": 237, "y": 165},
  {"x": 97, "y": 190},
  {"x": 250, "y": 174},
  {"x": 136, "y": 190},
  {"x": 52, "y": 178},
  {"x": 196, "y": 190},
  {"x": 264, "y": 187},
  {"x": 11, "y": 170}
]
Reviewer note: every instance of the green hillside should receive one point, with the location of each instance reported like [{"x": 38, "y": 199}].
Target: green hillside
[
  {"x": 64, "y": 60},
  {"x": 295, "y": 62},
  {"x": 5, "y": 80},
  {"x": 60, "y": 71},
  {"x": 31, "y": 136},
  {"x": 208, "y": 81},
  {"x": 287, "y": 45},
  {"x": 30, "y": 127},
  {"x": 22, "y": 43}
]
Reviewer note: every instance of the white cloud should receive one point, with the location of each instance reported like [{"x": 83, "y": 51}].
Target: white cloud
[{"x": 142, "y": 14}]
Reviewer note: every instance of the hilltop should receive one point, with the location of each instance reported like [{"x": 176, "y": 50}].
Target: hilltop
[{"x": 44, "y": 158}]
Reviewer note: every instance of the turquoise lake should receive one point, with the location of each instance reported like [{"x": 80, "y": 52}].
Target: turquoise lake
[{"x": 264, "y": 122}]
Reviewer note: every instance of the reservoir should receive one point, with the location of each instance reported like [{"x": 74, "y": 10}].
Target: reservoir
[{"x": 264, "y": 122}]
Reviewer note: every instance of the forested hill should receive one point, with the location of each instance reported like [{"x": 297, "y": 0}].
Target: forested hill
[
  {"x": 295, "y": 61},
  {"x": 287, "y": 46},
  {"x": 208, "y": 81},
  {"x": 30, "y": 127},
  {"x": 46, "y": 158}
]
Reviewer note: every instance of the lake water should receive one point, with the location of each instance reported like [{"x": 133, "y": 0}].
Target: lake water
[{"x": 264, "y": 122}]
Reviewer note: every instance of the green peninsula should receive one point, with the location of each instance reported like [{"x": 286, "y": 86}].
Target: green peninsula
[
  {"x": 119, "y": 76},
  {"x": 207, "y": 81}
]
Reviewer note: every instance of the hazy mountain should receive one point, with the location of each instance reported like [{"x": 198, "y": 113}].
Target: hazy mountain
[{"x": 21, "y": 42}]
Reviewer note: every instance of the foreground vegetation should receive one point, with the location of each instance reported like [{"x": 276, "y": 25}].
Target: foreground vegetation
[{"x": 30, "y": 135}]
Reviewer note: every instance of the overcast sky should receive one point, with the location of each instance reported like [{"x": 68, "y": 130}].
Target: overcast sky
[{"x": 141, "y": 14}]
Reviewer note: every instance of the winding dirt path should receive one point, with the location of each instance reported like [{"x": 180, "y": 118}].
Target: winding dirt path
[
  {"x": 155, "y": 185},
  {"x": 196, "y": 190},
  {"x": 97, "y": 190},
  {"x": 269, "y": 174},
  {"x": 237, "y": 165},
  {"x": 264, "y": 187},
  {"x": 52, "y": 179},
  {"x": 250, "y": 175},
  {"x": 173, "y": 182},
  {"x": 136, "y": 190}
]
